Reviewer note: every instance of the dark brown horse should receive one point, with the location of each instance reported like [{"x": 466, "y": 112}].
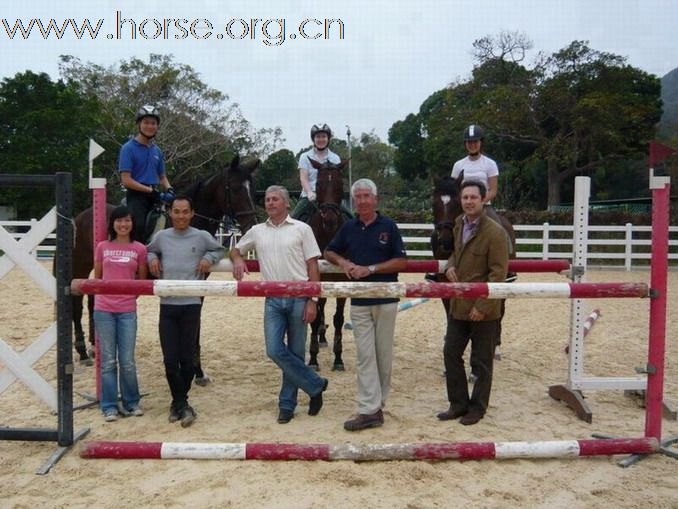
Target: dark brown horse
[
  {"x": 446, "y": 203},
  {"x": 325, "y": 222},
  {"x": 225, "y": 198}
]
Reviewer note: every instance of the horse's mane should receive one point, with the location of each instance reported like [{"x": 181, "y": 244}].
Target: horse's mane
[
  {"x": 193, "y": 189},
  {"x": 446, "y": 185}
]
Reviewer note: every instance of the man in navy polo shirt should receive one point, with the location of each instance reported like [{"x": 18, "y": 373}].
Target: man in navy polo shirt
[
  {"x": 142, "y": 168},
  {"x": 370, "y": 248}
]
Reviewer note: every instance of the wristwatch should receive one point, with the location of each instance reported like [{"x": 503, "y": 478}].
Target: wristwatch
[{"x": 372, "y": 268}]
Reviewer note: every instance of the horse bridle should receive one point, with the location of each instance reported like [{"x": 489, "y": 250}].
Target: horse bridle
[{"x": 232, "y": 216}]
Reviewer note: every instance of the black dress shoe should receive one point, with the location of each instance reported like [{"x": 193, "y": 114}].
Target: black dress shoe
[
  {"x": 285, "y": 416},
  {"x": 471, "y": 418},
  {"x": 316, "y": 402},
  {"x": 451, "y": 414}
]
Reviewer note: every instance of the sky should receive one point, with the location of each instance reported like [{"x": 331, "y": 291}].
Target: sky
[{"x": 392, "y": 56}]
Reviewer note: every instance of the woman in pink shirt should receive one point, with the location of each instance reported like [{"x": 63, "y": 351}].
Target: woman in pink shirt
[{"x": 115, "y": 316}]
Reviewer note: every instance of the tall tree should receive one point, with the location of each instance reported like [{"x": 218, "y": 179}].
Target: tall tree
[
  {"x": 578, "y": 111},
  {"x": 593, "y": 110},
  {"x": 280, "y": 168},
  {"x": 44, "y": 128},
  {"x": 201, "y": 128}
]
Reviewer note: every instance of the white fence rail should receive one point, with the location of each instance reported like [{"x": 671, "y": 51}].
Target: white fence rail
[{"x": 625, "y": 246}]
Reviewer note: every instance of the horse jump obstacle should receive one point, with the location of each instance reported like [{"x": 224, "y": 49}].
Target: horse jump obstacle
[
  {"x": 368, "y": 452},
  {"x": 61, "y": 400},
  {"x": 176, "y": 288},
  {"x": 422, "y": 266},
  {"x": 655, "y": 367}
]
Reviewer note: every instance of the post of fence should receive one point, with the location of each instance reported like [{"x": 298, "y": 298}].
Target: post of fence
[
  {"x": 628, "y": 246},
  {"x": 545, "y": 242}
]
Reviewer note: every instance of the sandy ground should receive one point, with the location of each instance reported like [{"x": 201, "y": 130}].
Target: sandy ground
[{"x": 240, "y": 406}]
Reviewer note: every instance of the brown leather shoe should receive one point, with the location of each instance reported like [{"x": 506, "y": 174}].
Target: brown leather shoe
[
  {"x": 471, "y": 418},
  {"x": 451, "y": 414},
  {"x": 364, "y": 421}
]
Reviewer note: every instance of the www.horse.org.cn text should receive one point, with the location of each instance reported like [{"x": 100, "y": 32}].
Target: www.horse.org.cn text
[{"x": 271, "y": 31}]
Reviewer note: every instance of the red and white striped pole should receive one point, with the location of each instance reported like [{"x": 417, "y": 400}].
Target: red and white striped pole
[
  {"x": 174, "y": 288},
  {"x": 367, "y": 452},
  {"x": 419, "y": 266}
]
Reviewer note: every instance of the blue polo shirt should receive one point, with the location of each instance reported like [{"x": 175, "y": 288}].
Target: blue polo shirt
[
  {"x": 145, "y": 162},
  {"x": 369, "y": 245}
]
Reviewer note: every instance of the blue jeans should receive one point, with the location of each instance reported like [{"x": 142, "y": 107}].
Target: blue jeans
[
  {"x": 117, "y": 339},
  {"x": 283, "y": 316}
]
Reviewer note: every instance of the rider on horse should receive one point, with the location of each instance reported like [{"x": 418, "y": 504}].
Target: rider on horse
[
  {"x": 321, "y": 134},
  {"x": 478, "y": 167},
  {"x": 142, "y": 168}
]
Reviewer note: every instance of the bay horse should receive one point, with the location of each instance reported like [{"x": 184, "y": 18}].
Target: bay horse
[
  {"x": 325, "y": 223},
  {"x": 446, "y": 204},
  {"x": 228, "y": 194}
]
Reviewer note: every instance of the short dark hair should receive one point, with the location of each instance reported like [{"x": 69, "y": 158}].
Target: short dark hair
[
  {"x": 182, "y": 197},
  {"x": 117, "y": 213},
  {"x": 475, "y": 183}
]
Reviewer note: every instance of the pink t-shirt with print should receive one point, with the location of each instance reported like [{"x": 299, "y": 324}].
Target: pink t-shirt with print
[{"x": 119, "y": 261}]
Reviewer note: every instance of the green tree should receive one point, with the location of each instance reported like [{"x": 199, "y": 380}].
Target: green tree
[
  {"x": 408, "y": 158},
  {"x": 280, "y": 168},
  {"x": 44, "y": 128},
  {"x": 578, "y": 111},
  {"x": 201, "y": 128}
]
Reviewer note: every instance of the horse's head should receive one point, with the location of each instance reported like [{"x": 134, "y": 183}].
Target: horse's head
[
  {"x": 446, "y": 207},
  {"x": 237, "y": 199},
  {"x": 330, "y": 191}
]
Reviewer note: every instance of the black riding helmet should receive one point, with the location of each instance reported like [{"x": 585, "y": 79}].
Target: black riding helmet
[
  {"x": 324, "y": 128},
  {"x": 474, "y": 132},
  {"x": 148, "y": 110}
]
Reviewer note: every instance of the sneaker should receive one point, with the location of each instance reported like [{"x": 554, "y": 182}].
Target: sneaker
[
  {"x": 111, "y": 415},
  {"x": 173, "y": 414},
  {"x": 137, "y": 411},
  {"x": 316, "y": 402},
  {"x": 285, "y": 416},
  {"x": 188, "y": 415},
  {"x": 364, "y": 421}
]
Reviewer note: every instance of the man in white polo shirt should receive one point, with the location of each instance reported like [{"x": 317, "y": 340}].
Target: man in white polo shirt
[{"x": 287, "y": 251}]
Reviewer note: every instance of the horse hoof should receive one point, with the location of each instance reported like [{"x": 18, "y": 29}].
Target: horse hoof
[
  {"x": 86, "y": 362},
  {"x": 90, "y": 352},
  {"x": 322, "y": 343},
  {"x": 314, "y": 367},
  {"x": 203, "y": 381},
  {"x": 338, "y": 367}
]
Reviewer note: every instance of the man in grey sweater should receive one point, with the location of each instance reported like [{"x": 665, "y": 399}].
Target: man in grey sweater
[{"x": 181, "y": 252}]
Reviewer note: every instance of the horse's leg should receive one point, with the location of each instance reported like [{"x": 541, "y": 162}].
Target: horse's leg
[
  {"x": 318, "y": 329},
  {"x": 80, "y": 345},
  {"x": 497, "y": 353},
  {"x": 314, "y": 347},
  {"x": 338, "y": 322},
  {"x": 322, "y": 326}
]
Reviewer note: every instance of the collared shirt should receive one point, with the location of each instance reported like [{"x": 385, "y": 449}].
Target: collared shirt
[
  {"x": 145, "y": 163},
  {"x": 282, "y": 250},
  {"x": 469, "y": 229},
  {"x": 368, "y": 245}
]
